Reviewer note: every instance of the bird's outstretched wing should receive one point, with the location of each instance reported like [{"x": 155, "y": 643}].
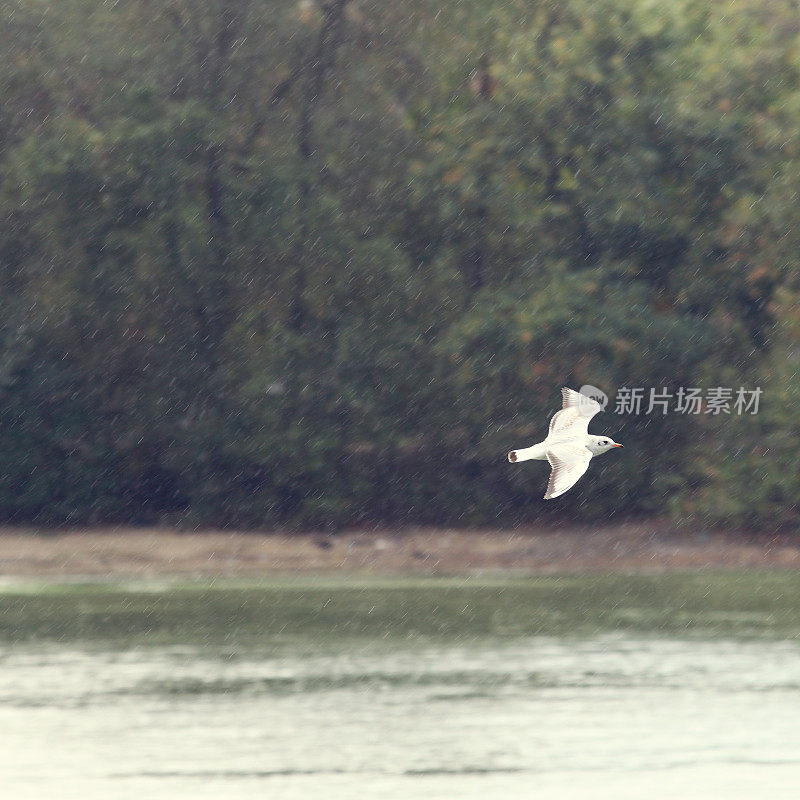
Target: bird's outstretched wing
[
  {"x": 568, "y": 463},
  {"x": 576, "y": 411}
]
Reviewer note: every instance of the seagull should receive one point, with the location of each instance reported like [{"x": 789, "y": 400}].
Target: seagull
[{"x": 569, "y": 446}]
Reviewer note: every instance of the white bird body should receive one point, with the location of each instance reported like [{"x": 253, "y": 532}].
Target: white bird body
[
  {"x": 536, "y": 452},
  {"x": 569, "y": 446}
]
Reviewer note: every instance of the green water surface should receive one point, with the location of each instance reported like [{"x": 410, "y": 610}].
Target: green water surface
[{"x": 729, "y": 604}]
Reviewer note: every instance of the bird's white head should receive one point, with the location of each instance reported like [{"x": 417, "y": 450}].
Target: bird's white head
[{"x": 601, "y": 444}]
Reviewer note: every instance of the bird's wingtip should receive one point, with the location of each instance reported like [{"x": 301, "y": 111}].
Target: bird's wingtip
[{"x": 512, "y": 456}]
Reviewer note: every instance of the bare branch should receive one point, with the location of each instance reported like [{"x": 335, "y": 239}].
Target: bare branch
[
  {"x": 320, "y": 64},
  {"x": 279, "y": 92},
  {"x": 316, "y": 65}
]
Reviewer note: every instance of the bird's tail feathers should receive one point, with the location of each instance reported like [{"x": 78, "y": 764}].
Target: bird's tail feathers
[{"x": 526, "y": 454}]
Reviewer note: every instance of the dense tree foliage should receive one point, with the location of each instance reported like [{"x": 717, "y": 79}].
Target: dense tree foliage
[{"x": 325, "y": 262}]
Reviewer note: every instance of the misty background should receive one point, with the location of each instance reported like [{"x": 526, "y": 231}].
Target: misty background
[{"x": 317, "y": 264}]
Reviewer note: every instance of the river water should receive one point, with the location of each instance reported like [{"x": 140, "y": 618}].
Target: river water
[{"x": 606, "y": 716}]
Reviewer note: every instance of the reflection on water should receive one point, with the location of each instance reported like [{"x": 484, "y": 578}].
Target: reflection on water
[{"x": 609, "y": 716}]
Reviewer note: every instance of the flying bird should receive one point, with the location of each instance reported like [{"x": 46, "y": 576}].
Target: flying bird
[{"x": 569, "y": 446}]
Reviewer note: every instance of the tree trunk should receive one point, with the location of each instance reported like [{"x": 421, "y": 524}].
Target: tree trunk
[{"x": 318, "y": 66}]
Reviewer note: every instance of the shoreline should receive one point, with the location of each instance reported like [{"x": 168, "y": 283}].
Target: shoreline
[{"x": 633, "y": 547}]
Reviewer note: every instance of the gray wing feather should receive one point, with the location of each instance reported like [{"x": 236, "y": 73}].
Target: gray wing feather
[
  {"x": 576, "y": 411},
  {"x": 568, "y": 463}
]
